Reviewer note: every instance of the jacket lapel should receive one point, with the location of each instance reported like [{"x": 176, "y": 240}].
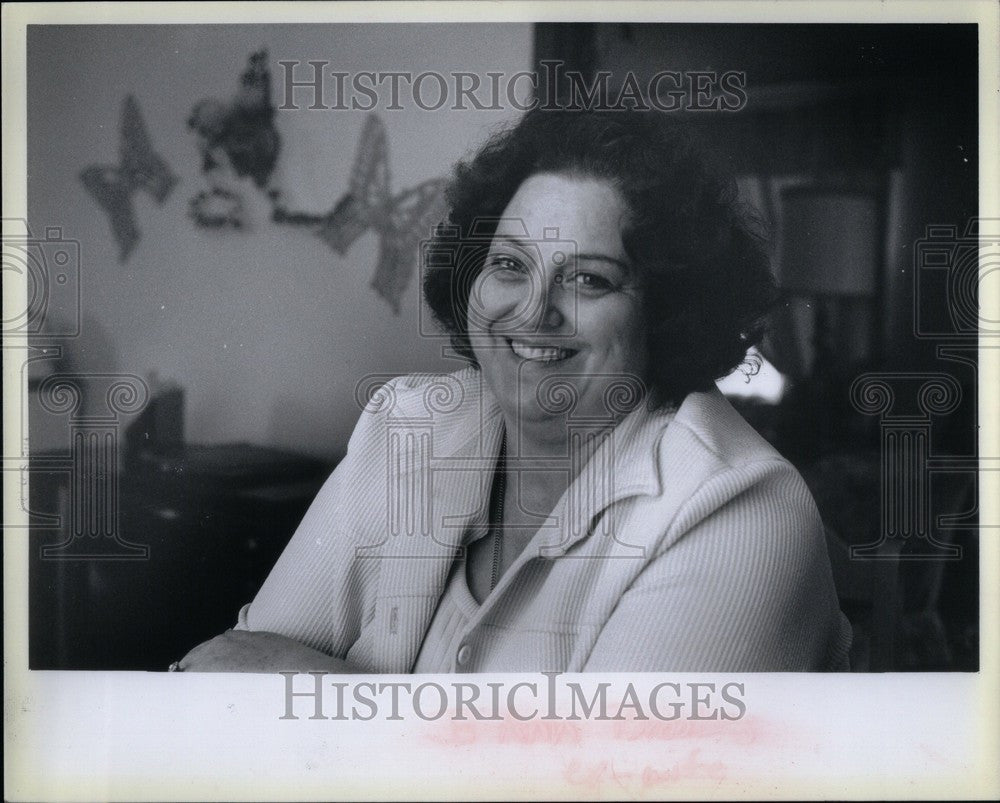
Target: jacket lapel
[
  {"x": 439, "y": 472},
  {"x": 625, "y": 463},
  {"x": 661, "y": 454}
]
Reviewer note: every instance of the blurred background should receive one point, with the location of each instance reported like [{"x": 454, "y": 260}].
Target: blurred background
[{"x": 196, "y": 369}]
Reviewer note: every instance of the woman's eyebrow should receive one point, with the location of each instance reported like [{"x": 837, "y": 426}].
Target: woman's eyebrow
[
  {"x": 511, "y": 239},
  {"x": 604, "y": 258},
  {"x": 593, "y": 257}
]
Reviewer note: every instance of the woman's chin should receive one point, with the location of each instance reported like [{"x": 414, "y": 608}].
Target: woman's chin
[{"x": 524, "y": 410}]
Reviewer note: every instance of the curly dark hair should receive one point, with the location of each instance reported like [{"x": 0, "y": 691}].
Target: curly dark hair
[{"x": 701, "y": 260}]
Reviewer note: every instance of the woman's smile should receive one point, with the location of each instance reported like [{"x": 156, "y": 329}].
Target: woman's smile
[{"x": 540, "y": 353}]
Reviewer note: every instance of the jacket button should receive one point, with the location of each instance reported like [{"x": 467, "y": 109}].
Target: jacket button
[{"x": 464, "y": 654}]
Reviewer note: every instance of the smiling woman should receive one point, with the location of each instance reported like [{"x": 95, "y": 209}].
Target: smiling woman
[{"x": 581, "y": 498}]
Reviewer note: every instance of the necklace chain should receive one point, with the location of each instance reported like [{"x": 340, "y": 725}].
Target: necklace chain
[{"x": 496, "y": 512}]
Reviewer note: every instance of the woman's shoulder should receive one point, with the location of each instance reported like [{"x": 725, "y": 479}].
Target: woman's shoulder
[
  {"x": 413, "y": 396},
  {"x": 448, "y": 408},
  {"x": 714, "y": 458},
  {"x": 716, "y": 430}
]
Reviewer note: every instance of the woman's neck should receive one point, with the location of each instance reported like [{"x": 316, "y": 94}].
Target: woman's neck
[{"x": 552, "y": 452}]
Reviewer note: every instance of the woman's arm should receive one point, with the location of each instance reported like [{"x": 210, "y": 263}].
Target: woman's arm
[
  {"x": 309, "y": 611},
  {"x": 747, "y": 588},
  {"x": 259, "y": 651}
]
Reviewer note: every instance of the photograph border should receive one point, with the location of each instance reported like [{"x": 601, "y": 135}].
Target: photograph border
[{"x": 153, "y": 736}]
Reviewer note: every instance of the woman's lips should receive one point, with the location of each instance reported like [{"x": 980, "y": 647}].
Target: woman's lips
[{"x": 537, "y": 353}]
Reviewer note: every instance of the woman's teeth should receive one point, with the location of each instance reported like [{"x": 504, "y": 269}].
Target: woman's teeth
[{"x": 539, "y": 354}]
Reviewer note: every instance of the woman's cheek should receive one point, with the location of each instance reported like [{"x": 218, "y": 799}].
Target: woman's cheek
[
  {"x": 480, "y": 303},
  {"x": 494, "y": 300}
]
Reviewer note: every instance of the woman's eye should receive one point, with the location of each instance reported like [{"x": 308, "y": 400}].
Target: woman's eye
[
  {"x": 505, "y": 264},
  {"x": 592, "y": 281}
]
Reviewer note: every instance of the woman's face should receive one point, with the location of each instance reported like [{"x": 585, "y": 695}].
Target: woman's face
[{"x": 557, "y": 303}]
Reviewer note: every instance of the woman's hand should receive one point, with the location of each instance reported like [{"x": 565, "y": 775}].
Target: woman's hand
[{"x": 258, "y": 651}]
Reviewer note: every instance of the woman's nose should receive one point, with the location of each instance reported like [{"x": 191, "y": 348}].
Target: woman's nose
[{"x": 548, "y": 306}]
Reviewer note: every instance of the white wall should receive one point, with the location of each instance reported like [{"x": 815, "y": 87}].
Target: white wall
[{"x": 267, "y": 329}]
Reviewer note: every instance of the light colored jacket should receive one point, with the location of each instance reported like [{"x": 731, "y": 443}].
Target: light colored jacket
[{"x": 686, "y": 543}]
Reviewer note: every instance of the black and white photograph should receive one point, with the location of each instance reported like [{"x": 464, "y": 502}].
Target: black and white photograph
[{"x": 477, "y": 400}]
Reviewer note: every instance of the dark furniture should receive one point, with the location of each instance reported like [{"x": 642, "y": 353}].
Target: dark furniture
[{"x": 196, "y": 533}]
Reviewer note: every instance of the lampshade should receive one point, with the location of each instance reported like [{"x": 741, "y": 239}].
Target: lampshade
[{"x": 829, "y": 242}]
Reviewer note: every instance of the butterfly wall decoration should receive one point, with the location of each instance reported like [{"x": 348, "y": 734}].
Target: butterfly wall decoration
[
  {"x": 401, "y": 221},
  {"x": 140, "y": 168},
  {"x": 240, "y": 138}
]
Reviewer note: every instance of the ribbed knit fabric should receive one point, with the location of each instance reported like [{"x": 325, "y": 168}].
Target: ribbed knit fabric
[
  {"x": 686, "y": 543},
  {"x": 447, "y": 631}
]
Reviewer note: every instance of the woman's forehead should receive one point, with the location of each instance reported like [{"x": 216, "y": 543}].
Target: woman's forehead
[{"x": 553, "y": 205}]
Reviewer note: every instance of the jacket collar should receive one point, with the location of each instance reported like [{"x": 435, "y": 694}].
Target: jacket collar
[{"x": 624, "y": 464}]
